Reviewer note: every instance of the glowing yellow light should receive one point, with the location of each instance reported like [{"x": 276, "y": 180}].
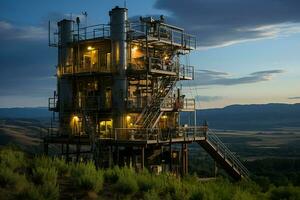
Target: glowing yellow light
[
  {"x": 134, "y": 48},
  {"x": 128, "y": 118},
  {"x": 75, "y": 118},
  {"x": 90, "y": 48},
  {"x": 164, "y": 117},
  {"x": 102, "y": 123},
  {"x": 166, "y": 58}
]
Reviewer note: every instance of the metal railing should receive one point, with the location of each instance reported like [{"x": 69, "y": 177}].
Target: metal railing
[
  {"x": 92, "y": 32},
  {"x": 162, "y": 65},
  {"x": 189, "y": 104},
  {"x": 157, "y": 134},
  {"x": 83, "y": 33},
  {"x": 94, "y": 68},
  {"x": 226, "y": 153},
  {"x": 165, "y": 33},
  {"x": 185, "y": 104}
]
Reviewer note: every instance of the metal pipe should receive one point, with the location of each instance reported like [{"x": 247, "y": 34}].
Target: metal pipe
[{"x": 118, "y": 28}]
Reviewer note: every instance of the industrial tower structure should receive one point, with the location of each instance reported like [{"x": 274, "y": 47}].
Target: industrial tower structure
[{"x": 118, "y": 100}]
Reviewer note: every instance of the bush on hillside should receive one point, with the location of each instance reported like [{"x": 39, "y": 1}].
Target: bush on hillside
[
  {"x": 44, "y": 175},
  {"x": 285, "y": 192},
  {"x": 10, "y": 179},
  {"x": 12, "y": 159},
  {"x": 145, "y": 181},
  {"x": 87, "y": 177},
  {"x": 126, "y": 185},
  {"x": 111, "y": 176}
]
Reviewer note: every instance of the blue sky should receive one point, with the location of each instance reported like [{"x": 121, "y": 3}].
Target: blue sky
[{"x": 248, "y": 51}]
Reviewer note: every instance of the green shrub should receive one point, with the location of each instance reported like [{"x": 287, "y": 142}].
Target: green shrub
[
  {"x": 45, "y": 175},
  {"x": 87, "y": 177},
  {"x": 12, "y": 180},
  {"x": 7, "y": 177},
  {"x": 218, "y": 189},
  {"x": 160, "y": 182},
  {"x": 176, "y": 189},
  {"x": 285, "y": 192},
  {"x": 45, "y": 162},
  {"x": 49, "y": 191},
  {"x": 61, "y": 166},
  {"x": 31, "y": 192},
  {"x": 42, "y": 162},
  {"x": 12, "y": 159},
  {"x": 197, "y": 195},
  {"x": 46, "y": 191},
  {"x": 263, "y": 182},
  {"x": 243, "y": 195},
  {"x": 152, "y": 195},
  {"x": 111, "y": 176},
  {"x": 126, "y": 185},
  {"x": 145, "y": 181}
]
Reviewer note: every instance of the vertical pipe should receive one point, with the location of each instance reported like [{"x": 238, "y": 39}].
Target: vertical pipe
[
  {"x": 64, "y": 86},
  {"x": 118, "y": 28}
]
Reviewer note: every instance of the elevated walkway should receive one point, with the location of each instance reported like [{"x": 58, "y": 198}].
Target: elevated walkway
[{"x": 142, "y": 137}]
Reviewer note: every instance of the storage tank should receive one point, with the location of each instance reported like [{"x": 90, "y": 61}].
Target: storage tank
[
  {"x": 118, "y": 31},
  {"x": 65, "y": 36},
  {"x": 65, "y": 64}
]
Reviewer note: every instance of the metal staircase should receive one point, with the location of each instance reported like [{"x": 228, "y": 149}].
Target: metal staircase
[
  {"x": 152, "y": 112},
  {"x": 223, "y": 156}
]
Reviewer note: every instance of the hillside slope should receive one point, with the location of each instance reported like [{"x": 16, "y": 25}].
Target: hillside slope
[{"x": 248, "y": 117}]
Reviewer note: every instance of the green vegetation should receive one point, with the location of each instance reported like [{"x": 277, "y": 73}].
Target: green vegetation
[
  {"x": 86, "y": 176},
  {"x": 44, "y": 178}
]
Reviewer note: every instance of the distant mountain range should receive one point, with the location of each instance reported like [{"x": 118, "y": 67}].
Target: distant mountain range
[
  {"x": 234, "y": 117},
  {"x": 248, "y": 117}
]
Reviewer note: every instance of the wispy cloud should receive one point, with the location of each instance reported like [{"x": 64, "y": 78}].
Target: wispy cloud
[
  {"x": 209, "y": 77},
  {"x": 294, "y": 98},
  {"x": 9, "y": 31},
  {"x": 207, "y": 98}
]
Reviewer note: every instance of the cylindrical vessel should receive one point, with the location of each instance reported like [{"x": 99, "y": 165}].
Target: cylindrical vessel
[
  {"x": 65, "y": 36},
  {"x": 118, "y": 31},
  {"x": 65, "y": 64}
]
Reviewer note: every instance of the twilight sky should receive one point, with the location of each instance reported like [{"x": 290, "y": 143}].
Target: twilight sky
[{"x": 248, "y": 51}]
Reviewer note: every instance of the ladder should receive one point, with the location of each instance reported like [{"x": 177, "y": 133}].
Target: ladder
[{"x": 223, "y": 156}]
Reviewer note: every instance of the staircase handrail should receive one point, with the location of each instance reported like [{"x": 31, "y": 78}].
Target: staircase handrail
[
  {"x": 212, "y": 137},
  {"x": 157, "y": 98}
]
